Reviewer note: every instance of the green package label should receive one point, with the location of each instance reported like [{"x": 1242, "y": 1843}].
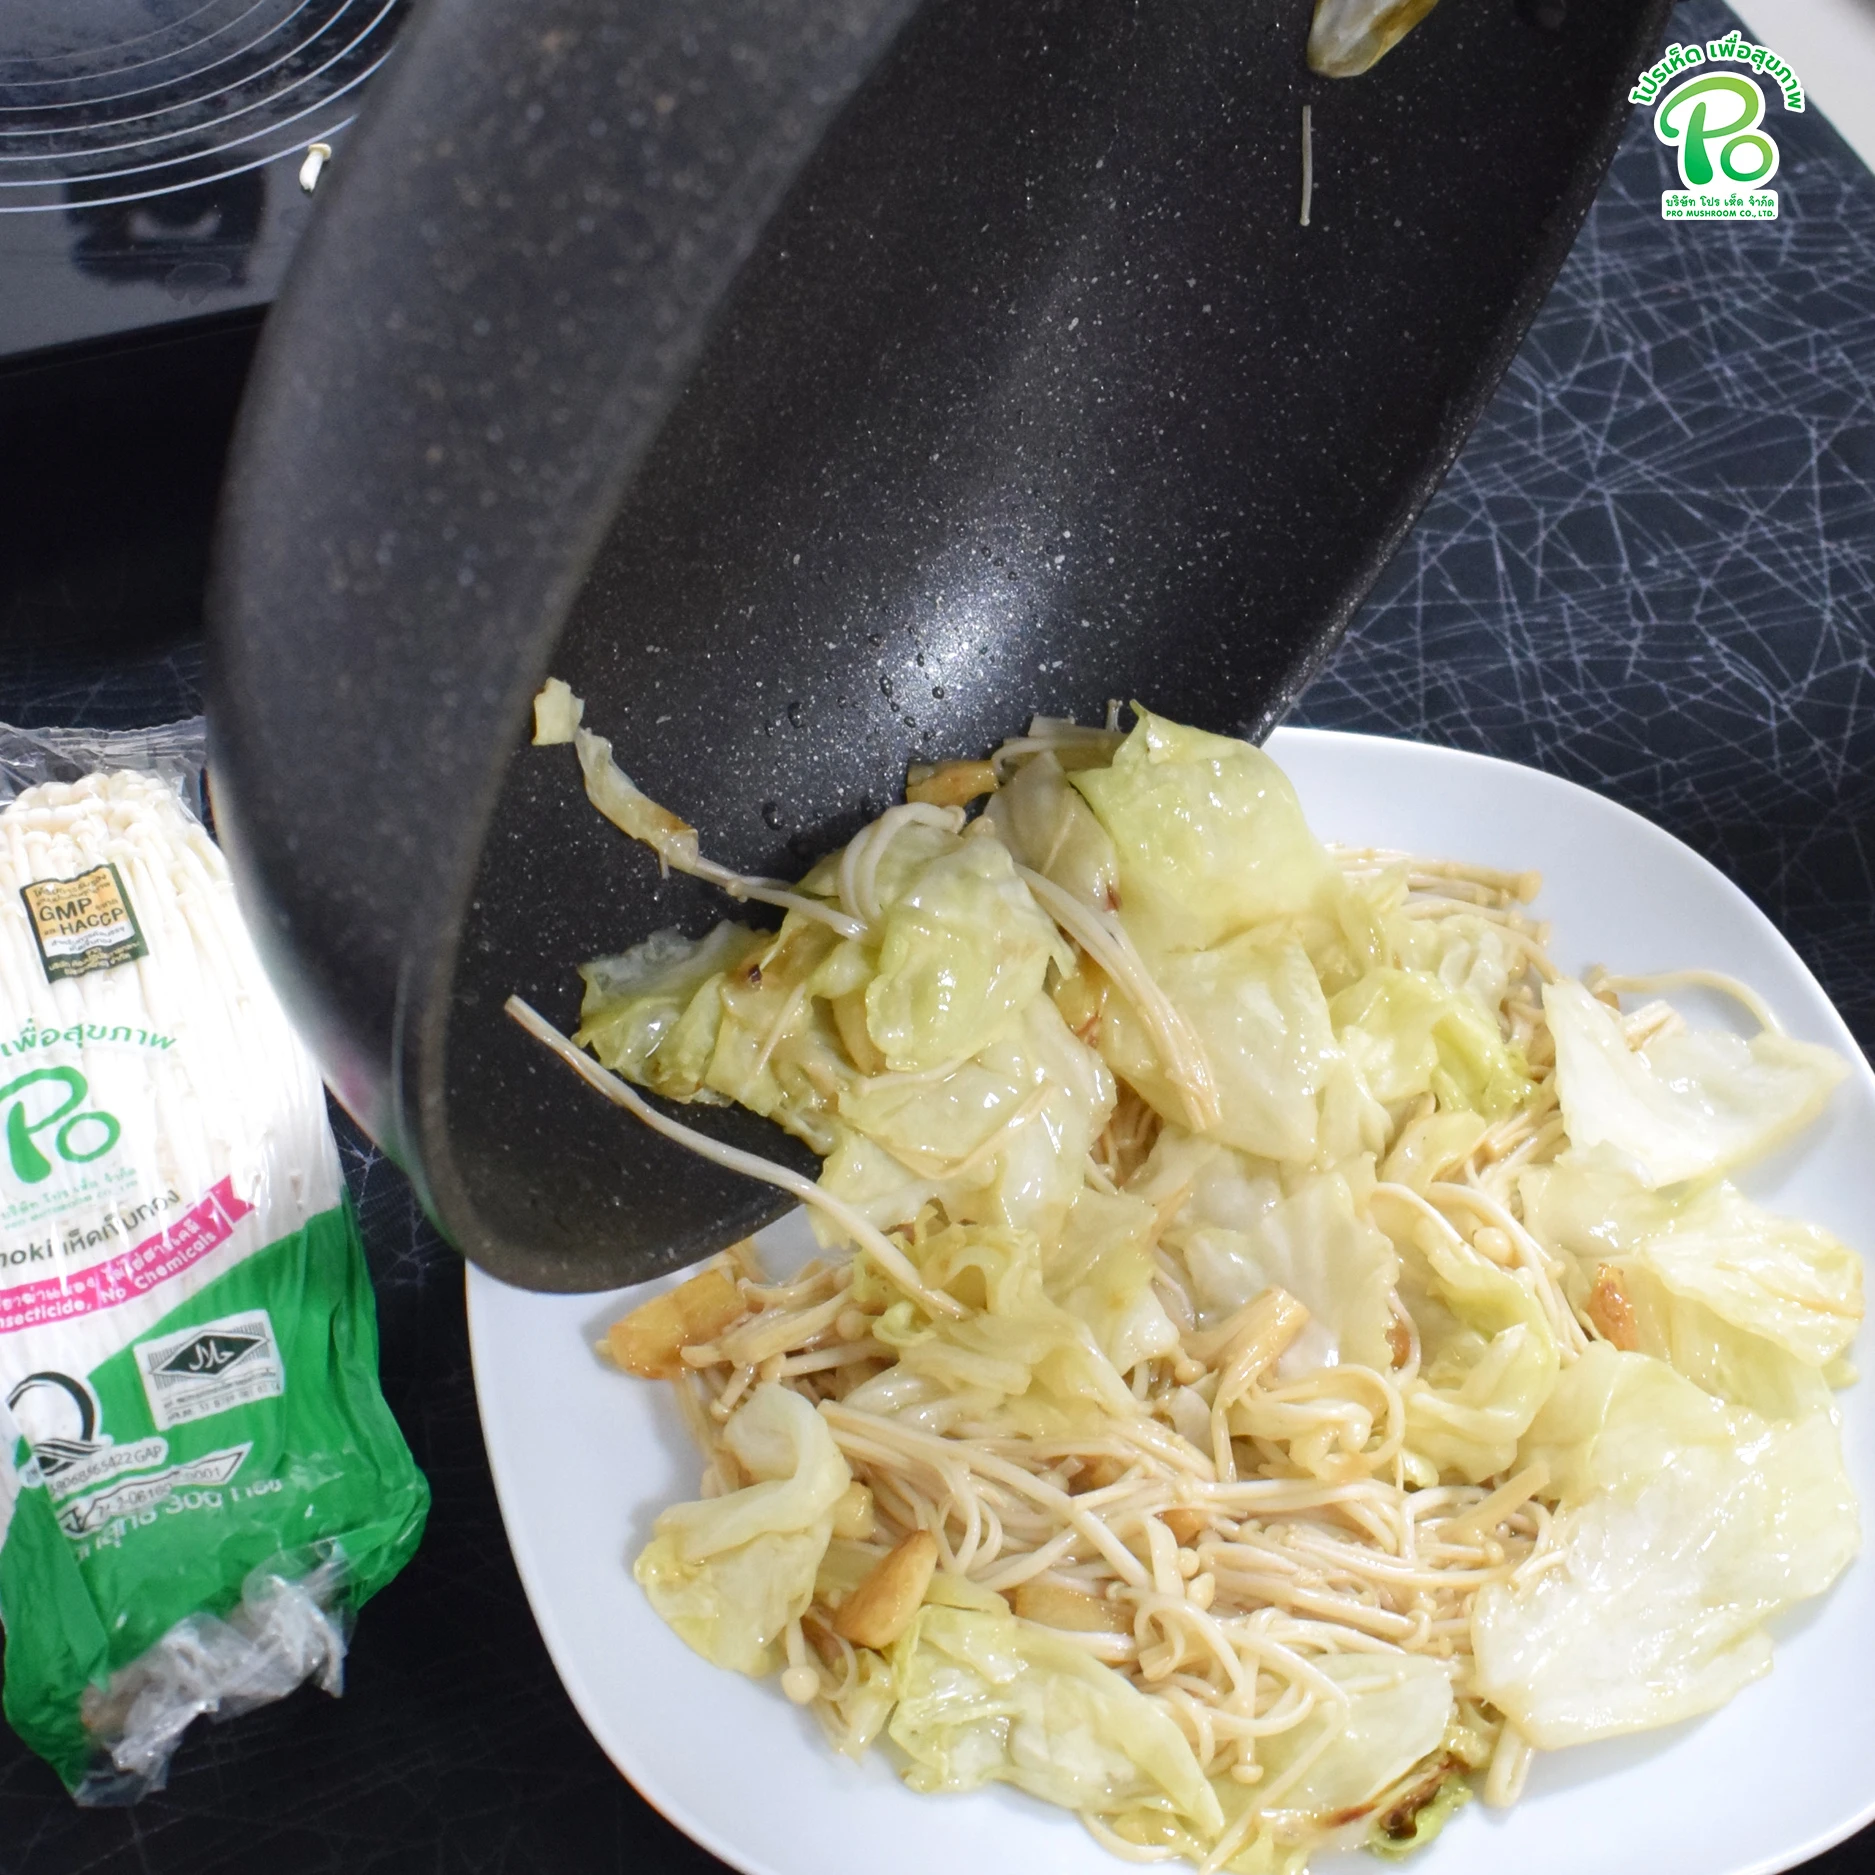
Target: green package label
[
  {"x": 246, "y": 1429},
  {"x": 200, "y": 1482}
]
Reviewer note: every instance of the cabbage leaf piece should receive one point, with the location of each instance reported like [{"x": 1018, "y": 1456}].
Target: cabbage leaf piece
[
  {"x": 1752, "y": 1306},
  {"x": 1394, "y": 1839},
  {"x": 1488, "y": 1357},
  {"x": 1398, "y": 1707},
  {"x": 1470, "y": 955},
  {"x": 1003, "y": 1139},
  {"x": 913, "y": 846},
  {"x": 1258, "y": 1007},
  {"x": 557, "y": 713},
  {"x": 1019, "y": 1364},
  {"x": 1410, "y": 1034},
  {"x": 1428, "y": 1147},
  {"x": 1361, "y": 935},
  {"x": 1352, "y": 1122},
  {"x": 729, "y": 1573},
  {"x": 856, "y": 1714},
  {"x": 1051, "y": 830},
  {"x": 963, "y": 949},
  {"x": 777, "y": 1049},
  {"x": 1316, "y": 1242},
  {"x": 652, "y": 1013},
  {"x": 985, "y": 1698},
  {"x": 1686, "y": 1105},
  {"x": 1348, "y": 37},
  {"x": 624, "y": 803},
  {"x": 1209, "y": 834},
  {"x": 1347, "y": 1758},
  {"x": 1685, "y": 1525},
  {"x": 1102, "y": 1271},
  {"x": 739, "y": 1016},
  {"x": 1197, "y": 1181}
]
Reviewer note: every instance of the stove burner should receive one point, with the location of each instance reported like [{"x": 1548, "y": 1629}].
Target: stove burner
[
  {"x": 150, "y": 153},
  {"x": 112, "y": 103},
  {"x": 150, "y": 199}
]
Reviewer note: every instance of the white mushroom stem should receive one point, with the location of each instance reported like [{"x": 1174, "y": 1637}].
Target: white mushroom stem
[{"x": 867, "y": 1236}]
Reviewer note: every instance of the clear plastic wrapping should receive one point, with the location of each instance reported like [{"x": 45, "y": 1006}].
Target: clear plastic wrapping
[{"x": 200, "y": 1481}]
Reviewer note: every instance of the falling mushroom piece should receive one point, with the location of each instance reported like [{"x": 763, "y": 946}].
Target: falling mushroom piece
[{"x": 1348, "y": 36}]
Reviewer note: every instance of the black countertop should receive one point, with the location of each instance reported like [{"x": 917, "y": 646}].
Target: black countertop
[{"x": 1652, "y": 571}]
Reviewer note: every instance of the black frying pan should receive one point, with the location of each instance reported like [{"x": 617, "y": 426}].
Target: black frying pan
[{"x": 814, "y": 384}]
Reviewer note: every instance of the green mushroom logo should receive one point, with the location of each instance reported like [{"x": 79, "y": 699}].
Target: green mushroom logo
[
  {"x": 52, "y": 1100},
  {"x": 1713, "y": 122}
]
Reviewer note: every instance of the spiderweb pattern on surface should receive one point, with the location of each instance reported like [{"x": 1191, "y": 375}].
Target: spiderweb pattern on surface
[{"x": 1653, "y": 568}]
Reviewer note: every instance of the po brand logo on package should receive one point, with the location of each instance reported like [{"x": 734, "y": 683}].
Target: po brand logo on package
[
  {"x": 83, "y": 924},
  {"x": 1713, "y": 123},
  {"x": 53, "y": 1099}
]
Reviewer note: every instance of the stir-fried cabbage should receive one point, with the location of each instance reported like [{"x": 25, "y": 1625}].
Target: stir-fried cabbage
[
  {"x": 1003, "y": 1138},
  {"x": 729, "y": 1573},
  {"x": 1468, "y": 954},
  {"x": 1752, "y": 1306},
  {"x": 983, "y": 1697},
  {"x": 1316, "y": 1243},
  {"x": 1051, "y": 830},
  {"x": 1102, "y": 1271},
  {"x": 655, "y": 1011},
  {"x": 1287, "y": 1350},
  {"x": 1018, "y": 1362},
  {"x": 1397, "y": 1707},
  {"x": 1209, "y": 836},
  {"x": 1686, "y": 1525},
  {"x": 1348, "y": 37},
  {"x": 627, "y": 806},
  {"x": 963, "y": 952},
  {"x": 1687, "y": 1104},
  {"x": 1257, "y": 1006},
  {"x": 1412, "y": 1034},
  {"x": 1488, "y": 1357}
]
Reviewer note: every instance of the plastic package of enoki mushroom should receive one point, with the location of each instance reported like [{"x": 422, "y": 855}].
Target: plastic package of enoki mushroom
[{"x": 200, "y": 1482}]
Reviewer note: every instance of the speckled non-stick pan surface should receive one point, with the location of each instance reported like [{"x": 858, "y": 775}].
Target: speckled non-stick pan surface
[{"x": 816, "y": 385}]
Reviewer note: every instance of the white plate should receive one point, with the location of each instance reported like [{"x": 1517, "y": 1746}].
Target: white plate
[{"x": 584, "y": 1458}]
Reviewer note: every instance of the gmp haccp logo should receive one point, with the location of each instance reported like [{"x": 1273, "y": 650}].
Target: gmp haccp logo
[{"x": 1714, "y": 122}]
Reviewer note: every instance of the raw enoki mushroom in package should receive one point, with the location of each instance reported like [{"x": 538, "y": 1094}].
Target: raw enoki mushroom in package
[{"x": 200, "y": 1481}]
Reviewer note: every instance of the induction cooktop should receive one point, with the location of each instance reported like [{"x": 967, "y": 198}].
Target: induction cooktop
[
  {"x": 151, "y": 153},
  {"x": 158, "y": 162}
]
